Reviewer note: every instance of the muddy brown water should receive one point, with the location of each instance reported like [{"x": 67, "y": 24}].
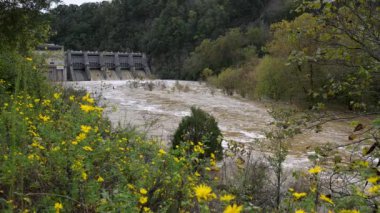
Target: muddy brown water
[{"x": 158, "y": 106}]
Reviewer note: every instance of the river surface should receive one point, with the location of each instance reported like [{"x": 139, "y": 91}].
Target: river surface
[{"x": 157, "y": 107}]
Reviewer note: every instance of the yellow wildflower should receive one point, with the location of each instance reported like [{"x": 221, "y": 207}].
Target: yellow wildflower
[
  {"x": 147, "y": 209},
  {"x": 161, "y": 152},
  {"x": 373, "y": 179},
  {"x": 143, "y": 200},
  {"x": 58, "y": 206},
  {"x": 299, "y": 195},
  {"x": 56, "y": 95},
  {"x": 85, "y": 128},
  {"x": 233, "y": 209},
  {"x": 88, "y": 148},
  {"x": 374, "y": 189},
  {"x": 326, "y": 199},
  {"x": 212, "y": 162},
  {"x": 212, "y": 155},
  {"x": 81, "y": 137},
  {"x": 86, "y": 108},
  {"x": 349, "y": 211},
  {"x": 46, "y": 102},
  {"x": 100, "y": 179},
  {"x": 199, "y": 149},
  {"x": 88, "y": 99},
  {"x": 44, "y": 118},
  {"x": 204, "y": 192},
  {"x": 176, "y": 159},
  {"x": 315, "y": 170},
  {"x": 130, "y": 186},
  {"x": 33, "y": 157},
  {"x": 72, "y": 98},
  {"x": 197, "y": 174},
  {"x": 227, "y": 197},
  {"x": 77, "y": 165},
  {"x": 28, "y": 59},
  {"x": 84, "y": 176},
  {"x": 300, "y": 211},
  {"x": 143, "y": 191}
]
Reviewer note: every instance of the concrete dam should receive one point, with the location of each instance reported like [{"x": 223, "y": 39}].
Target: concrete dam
[{"x": 92, "y": 66}]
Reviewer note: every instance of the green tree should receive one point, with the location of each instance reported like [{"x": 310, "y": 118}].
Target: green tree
[
  {"x": 23, "y": 25},
  {"x": 200, "y": 127}
]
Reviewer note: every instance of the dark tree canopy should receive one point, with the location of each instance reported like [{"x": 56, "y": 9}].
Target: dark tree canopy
[{"x": 168, "y": 31}]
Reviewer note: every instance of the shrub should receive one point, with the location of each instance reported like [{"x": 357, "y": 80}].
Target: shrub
[
  {"x": 229, "y": 79},
  {"x": 197, "y": 128},
  {"x": 231, "y": 49},
  {"x": 274, "y": 79}
]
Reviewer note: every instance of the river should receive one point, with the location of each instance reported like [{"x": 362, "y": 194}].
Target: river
[{"x": 157, "y": 106}]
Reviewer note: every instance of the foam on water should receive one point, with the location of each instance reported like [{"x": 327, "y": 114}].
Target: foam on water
[{"x": 159, "y": 111}]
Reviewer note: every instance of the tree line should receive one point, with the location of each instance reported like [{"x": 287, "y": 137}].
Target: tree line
[{"x": 168, "y": 31}]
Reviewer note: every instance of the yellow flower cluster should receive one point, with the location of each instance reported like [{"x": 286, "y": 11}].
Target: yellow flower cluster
[
  {"x": 227, "y": 198},
  {"x": 374, "y": 189},
  {"x": 88, "y": 108},
  {"x": 87, "y": 148},
  {"x": 56, "y": 95},
  {"x": 299, "y": 195},
  {"x": 315, "y": 170},
  {"x": 161, "y": 152},
  {"x": 199, "y": 149},
  {"x": 204, "y": 193},
  {"x": 326, "y": 199},
  {"x": 233, "y": 209},
  {"x": 88, "y": 99},
  {"x": 44, "y": 118},
  {"x": 58, "y": 207},
  {"x": 85, "y": 128},
  {"x": 349, "y": 211},
  {"x": 143, "y": 198},
  {"x": 373, "y": 180}
]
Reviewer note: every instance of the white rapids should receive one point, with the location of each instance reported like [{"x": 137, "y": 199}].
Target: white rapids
[{"x": 157, "y": 106}]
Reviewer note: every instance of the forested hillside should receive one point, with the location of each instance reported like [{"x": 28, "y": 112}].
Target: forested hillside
[{"x": 166, "y": 30}]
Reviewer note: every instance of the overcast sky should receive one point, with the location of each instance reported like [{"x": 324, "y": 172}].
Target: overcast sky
[{"x": 78, "y": 2}]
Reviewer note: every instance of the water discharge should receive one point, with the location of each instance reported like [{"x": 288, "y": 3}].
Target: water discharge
[
  {"x": 158, "y": 106},
  {"x": 96, "y": 75}
]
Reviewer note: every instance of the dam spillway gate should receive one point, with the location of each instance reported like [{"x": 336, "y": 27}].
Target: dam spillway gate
[{"x": 90, "y": 66}]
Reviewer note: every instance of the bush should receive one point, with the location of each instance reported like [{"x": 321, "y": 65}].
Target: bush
[
  {"x": 240, "y": 80},
  {"x": 274, "y": 79},
  {"x": 228, "y": 80},
  {"x": 231, "y": 49},
  {"x": 197, "y": 128}
]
